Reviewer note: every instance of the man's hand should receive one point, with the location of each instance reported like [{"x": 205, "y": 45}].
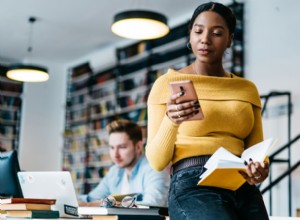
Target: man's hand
[{"x": 96, "y": 203}]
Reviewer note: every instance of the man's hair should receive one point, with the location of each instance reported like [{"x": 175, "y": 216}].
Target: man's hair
[{"x": 132, "y": 129}]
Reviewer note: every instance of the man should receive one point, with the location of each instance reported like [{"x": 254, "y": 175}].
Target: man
[{"x": 131, "y": 172}]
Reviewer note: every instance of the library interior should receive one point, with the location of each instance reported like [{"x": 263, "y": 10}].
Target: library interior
[{"x": 61, "y": 127}]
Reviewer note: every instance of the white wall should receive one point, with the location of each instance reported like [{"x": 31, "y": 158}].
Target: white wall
[
  {"x": 42, "y": 124},
  {"x": 272, "y": 63}
]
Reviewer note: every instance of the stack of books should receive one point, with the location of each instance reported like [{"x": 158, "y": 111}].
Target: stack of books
[
  {"x": 28, "y": 208},
  {"x": 121, "y": 209},
  {"x": 120, "y": 213}
]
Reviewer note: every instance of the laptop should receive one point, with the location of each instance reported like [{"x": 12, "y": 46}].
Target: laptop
[{"x": 51, "y": 185}]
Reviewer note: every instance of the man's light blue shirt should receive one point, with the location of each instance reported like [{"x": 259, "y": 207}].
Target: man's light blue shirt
[{"x": 151, "y": 184}]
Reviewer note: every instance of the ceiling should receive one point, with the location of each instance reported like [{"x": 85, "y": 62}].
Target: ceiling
[{"x": 66, "y": 30}]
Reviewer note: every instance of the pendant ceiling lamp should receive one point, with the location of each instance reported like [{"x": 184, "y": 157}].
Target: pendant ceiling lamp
[
  {"x": 140, "y": 25},
  {"x": 28, "y": 72}
]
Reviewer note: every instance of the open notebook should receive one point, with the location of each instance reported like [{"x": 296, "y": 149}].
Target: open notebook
[{"x": 51, "y": 185}]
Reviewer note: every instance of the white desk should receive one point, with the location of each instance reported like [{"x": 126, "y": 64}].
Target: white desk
[{"x": 283, "y": 218}]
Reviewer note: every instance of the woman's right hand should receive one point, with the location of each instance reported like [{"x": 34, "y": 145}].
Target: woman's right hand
[{"x": 181, "y": 112}]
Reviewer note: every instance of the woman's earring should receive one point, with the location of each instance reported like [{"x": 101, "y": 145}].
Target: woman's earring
[{"x": 188, "y": 45}]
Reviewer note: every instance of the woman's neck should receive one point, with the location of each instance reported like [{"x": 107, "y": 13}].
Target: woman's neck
[{"x": 208, "y": 70}]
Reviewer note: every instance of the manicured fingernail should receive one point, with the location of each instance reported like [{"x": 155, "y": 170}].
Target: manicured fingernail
[
  {"x": 196, "y": 102},
  {"x": 196, "y": 106},
  {"x": 181, "y": 93}
]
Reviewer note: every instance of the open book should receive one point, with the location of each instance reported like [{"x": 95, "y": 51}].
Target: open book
[{"x": 223, "y": 167}]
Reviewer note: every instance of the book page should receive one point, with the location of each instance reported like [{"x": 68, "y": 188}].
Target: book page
[
  {"x": 224, "y": 155},
  {"x": 259, "y": 151}
]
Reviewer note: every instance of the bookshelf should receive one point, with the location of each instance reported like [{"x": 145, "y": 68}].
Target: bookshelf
[
  {"x": 76, "y": 124},
  {"x": 121, "y": 91},
  {"x": 90, "y": 104},
  {"x": 10, "y": 111}
]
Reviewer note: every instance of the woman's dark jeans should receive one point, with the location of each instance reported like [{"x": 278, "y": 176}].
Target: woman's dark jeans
[{"x": 192, "y": 202}]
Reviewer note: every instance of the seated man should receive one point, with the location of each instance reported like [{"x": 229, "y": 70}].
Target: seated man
[{"x": 131, "y": 172}]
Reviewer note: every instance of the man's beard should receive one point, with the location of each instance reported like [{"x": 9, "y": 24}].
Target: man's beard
[{"x": 131, "y": 163}]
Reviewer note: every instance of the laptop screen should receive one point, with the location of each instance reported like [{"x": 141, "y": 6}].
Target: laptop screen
[{"x": 51, "y": 185}]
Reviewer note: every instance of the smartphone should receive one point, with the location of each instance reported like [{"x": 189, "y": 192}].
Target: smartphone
[{"x": 190, "y": 94}]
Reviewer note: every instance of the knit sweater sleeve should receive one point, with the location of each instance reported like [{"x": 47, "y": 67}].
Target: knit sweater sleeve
[{"x": 162, "y": 131}]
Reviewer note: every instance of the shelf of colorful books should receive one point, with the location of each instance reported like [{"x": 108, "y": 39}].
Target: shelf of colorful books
[
  {"x": 10, "y": 100},
  {"x": 79, "y": 86},
  {"x": 102, "y": 77},
  {"x": 133, "y": 80},
  {"x": 104, "y": 89},
  {"x": 134, "y": 99},
  {"x": 74, "y": 145},
  {"x": 80, "y": 71},
  {"x": 103, "y": 105},
  {"x": 173, "y": 45},
  {"x": 99, "y": 124},
  {"x": 83, "y": 78},
  {"x": 102, "y": 115},
  {"x": 74, "y": 159},
  {"x": 10, "y": 112},
  {"x": 78, "y": 96},
  {"x": 78, "y": 114},
  {"x": 97, "y": 133},
  {"x": 100, "y": 149},
  {"x": 133, "y": 52},
  {"x": 132, "y": 107},
  {"x": 97, "y": 145},
  {"x": 137, "y": 115},
  {"x": 134, "y": 96},
  {"x": 77, "y": 177},
  {"x": 169, "y": 56},
  {"x": 161, "y": 68},
  {"x": 80, "y": 130},
  {"x": 136, "y": 58}
]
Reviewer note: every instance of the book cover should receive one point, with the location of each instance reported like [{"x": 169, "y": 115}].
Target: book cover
[
  {"x": 33, "y": 214},
  {"x": 27, "y": 200},
  {"x": 25, "y": 206},
  {"x": 95, "y": 211},
  {"x": 105, "y": 217},
  {"x": 223, "y": 167},
  {"x": 128, "y": 217}
]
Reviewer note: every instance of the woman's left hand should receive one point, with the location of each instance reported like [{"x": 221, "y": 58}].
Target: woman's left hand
[{"x": 256, "y": 172}]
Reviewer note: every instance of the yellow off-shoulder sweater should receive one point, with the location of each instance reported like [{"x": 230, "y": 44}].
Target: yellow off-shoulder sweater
[{"x": 232, "y": 119}]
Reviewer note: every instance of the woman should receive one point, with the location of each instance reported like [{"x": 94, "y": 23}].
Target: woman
[{"x": 232, "y": 119}]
